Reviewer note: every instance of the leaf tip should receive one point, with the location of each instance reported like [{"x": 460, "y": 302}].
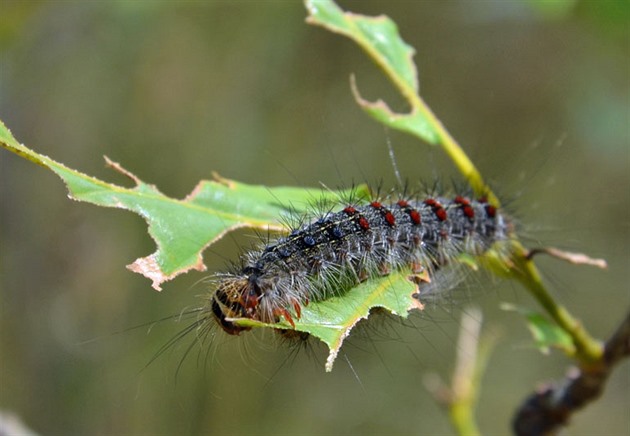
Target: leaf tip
[
  {"x": 330, "y": 361},
  {"x": 151, "y": 269},
  {"x": 223, "y": 181},
  {"x": 118, "y": 168}
]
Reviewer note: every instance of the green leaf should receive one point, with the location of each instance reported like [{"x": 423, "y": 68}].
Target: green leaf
[
  {"x": 379, "y": 37},
  {"x": 545, "y": 333},
  {"x": 182, "y": 229},
  {"x": 332, "y": 320}
]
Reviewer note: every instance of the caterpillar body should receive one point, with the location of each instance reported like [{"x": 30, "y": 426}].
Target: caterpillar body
[{"x": 338, "y": 250}]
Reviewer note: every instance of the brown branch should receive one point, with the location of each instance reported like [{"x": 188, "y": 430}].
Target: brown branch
[{"x": 545, "y": 412}]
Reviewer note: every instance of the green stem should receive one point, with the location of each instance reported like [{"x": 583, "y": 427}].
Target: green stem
[
  {"x": 588, "y": 349},
  {"x": 463, "y": 419}
]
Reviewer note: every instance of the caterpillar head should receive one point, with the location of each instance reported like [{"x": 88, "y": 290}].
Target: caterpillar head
[{"x": 235, "y": 297}]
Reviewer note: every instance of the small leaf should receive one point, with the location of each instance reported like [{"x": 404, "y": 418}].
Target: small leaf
[
  {"x": 546, "y": 334},
  {"x": 182, "y": 229},
  {"x": 414, "y": 122},
  {"x": 379, "y": 37}
]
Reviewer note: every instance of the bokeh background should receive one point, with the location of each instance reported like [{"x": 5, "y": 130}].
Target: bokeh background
[{"x": 537, "y": 92}]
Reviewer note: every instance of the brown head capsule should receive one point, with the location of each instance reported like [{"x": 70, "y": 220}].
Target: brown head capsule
[{"x": 235, "y": 297}]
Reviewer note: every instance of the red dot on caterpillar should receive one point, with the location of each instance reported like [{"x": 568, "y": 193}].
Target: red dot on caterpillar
[
  {"x": 415, "y": 216},
  {"x": 491, "y": 210},
  {"x": 468, "y": 211},
  {"x": 437, "y": 208},
  {"x": 431, "y": 202},
  {"x": 465, "y": 206},
  {"x": 391, "y": 220},
  {"x": 364, "y": 223},
  {"x": 389, "y": 217}
]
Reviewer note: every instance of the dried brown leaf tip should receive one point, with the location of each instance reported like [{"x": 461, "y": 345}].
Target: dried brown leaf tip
[{"x": 568, "y": 256}]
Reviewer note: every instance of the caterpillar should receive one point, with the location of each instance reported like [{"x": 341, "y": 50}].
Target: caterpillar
[{"x": 338, "y": 250}]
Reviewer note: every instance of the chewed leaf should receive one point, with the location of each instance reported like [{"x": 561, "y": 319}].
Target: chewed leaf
[
  {"x": 376, "y": 35},
  {"x": 331, "y": 320},
  {"x": 379, "y": 37},
  {"x": 182, "y": 229},
  {"x": 545, "y": 333},
  {"x": 413, "y": 122}
]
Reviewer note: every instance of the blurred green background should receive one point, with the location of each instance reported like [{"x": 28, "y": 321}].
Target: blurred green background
[{"x": 537, "y": 92}]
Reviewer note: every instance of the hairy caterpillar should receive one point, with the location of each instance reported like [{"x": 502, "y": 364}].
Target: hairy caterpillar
[{"x": 338, "y": 250}]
